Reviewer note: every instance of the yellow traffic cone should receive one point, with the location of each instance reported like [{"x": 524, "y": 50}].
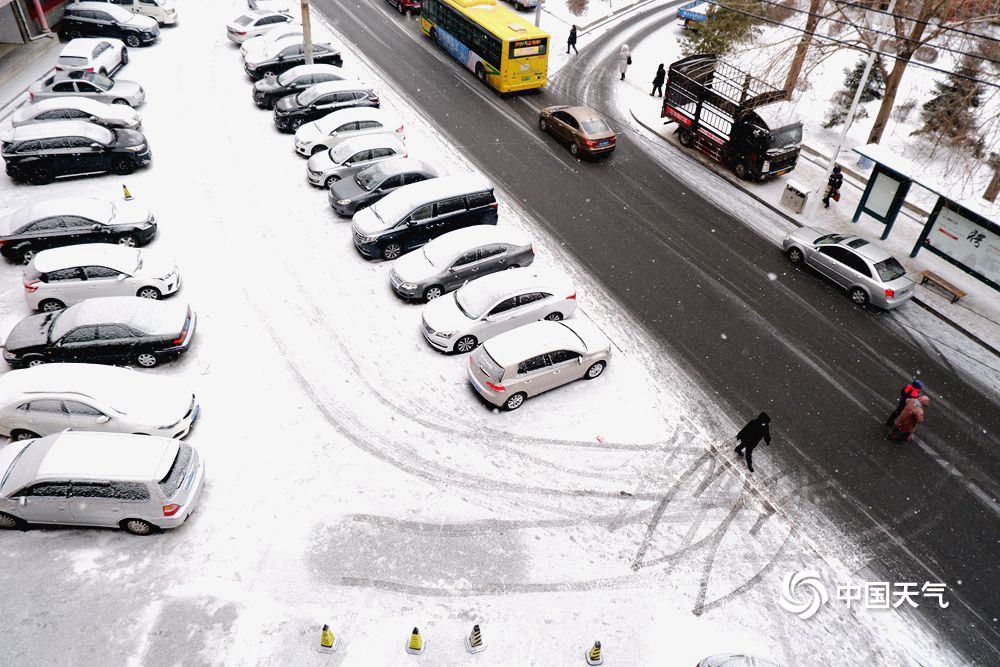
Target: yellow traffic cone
[
  {"x": 416, "y": 643},
  {"x": 128, "y": 195},
  {"x": 594, "y": 656},
  {"x": 474, "y": 642},
  {"x": 327, "y": 640}
]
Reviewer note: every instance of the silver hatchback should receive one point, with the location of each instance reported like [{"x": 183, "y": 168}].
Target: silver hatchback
[{"x": 865, "y": 271}]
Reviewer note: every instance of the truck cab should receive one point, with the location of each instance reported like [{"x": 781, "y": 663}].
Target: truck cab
[{"x": 766, "y": 142}]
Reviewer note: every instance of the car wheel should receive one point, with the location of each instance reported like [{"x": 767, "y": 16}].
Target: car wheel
[
  {"x": 391, "y": 251},
  {"x": 31, "y": 362},
  {"x": 121, "y": 100},
  {"x": 554, "y": 317},
  {"x": 595, "y": 370},
  {"x": 9, "y": 522},
  {"x": 859, "y": 296},
  {"x": 146, "y": 360},
  {"x": 433, "y": 292},
  {"x": 401, "y": 8},
  {"x": 574, "y": 149},
  {"x": 317, "y": 149},
  {"x": 40, "y": 176},
  {"x": 25, "y": 254},
  {"x": 124, "y": 57},
  {"x": 74, "y": 34},
  {"x": 103, "y": 72},
  {"x": 542, "y": 125},
  {"x": 50, "y": 305},
  {"x": 330, "y": 181},
  {"x": 133, "y": 40},
  {"x": 512, "y": 266},
  {"x": 295, "y": 124},
  {"x": 128, "y": 241},
  {"x": 794, "y": 255},
  {"x": 686, "y": 139},
  {"x": 123, "y": 166},
  {"x": 267, "y": 73},
  {"x": 137, "y": 526},
  {"x": 515, "y": 401},
  {"x": 741, "y": 170},
  {"x": 480, "y": 72},
  {"x": 22, "y": 434},
  {"x": 149, "y": 293},
  {"x": 466, "y": 344}
]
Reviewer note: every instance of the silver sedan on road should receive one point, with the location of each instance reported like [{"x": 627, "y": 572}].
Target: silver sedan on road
[
  {"x": 88, "y": 84},
  {"x": 865, "y": 271}
]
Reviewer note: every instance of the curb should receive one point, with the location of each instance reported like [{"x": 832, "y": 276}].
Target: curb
[
  {"x": 923, "y": 304},
  {"x": 621, "y": 12}
]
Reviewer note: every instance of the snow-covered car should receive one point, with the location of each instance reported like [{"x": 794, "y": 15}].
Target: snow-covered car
[
  {"x": 344, "y": 124},
  {"x": 112, "y": 116},
  {"x": 268, "y": 37},
  {"x": 489, "y": 306},
  {"x": 273, "y": 5},
  {"x": 293, "y": 111},
  {"x": 249, "y": 25},
  {"x": 163, "y": 12},
  {"x": 352, "y": 156},
  {"x": 536, "y": 357},
  {"x": 91, "y": 85},
  {"x": 138, "y": 483},
  {"x": 61, "y": 277},
  {"x": 93, "y": 54},
  {"x": 270, "y": 89},
  {"x": 349, "y": 195},
  {"x": 868, "y": 273},
  {"x": 51, "y": 398},
  {"x": 451, "y": 260},
  {"x": 287, "y": 53},
  {"x": 103, "y": 19},
  {"x": 107, "y": 329}
]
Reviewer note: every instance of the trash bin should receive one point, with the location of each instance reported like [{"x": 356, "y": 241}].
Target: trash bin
[{"x": 794, "y": 196}]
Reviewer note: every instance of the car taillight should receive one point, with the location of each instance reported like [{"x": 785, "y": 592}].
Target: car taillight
[
  {"x": 31, "y": 285},
  {"x": 89, "y": 69},
  {"x": 496, "y": 387},
  {"x": 187, "y": 323},
  {"x": 241, "y": 34},
  {"x": 31, "y": 96},
  {"x": 572, "y": 296},
  {"x": 495, "y": 205},
  {"x": 400, "y": 128},
  {"x": 890, "y": 293},
  {"x": 171, "y": 509}
]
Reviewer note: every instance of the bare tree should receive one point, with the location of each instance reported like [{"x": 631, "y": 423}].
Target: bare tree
[
  {"x": 993, "y": 189},
  {"x": 812, "y": 20}
]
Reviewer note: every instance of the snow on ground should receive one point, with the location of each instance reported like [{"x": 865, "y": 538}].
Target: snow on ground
[{"x": 355, "y": 479}]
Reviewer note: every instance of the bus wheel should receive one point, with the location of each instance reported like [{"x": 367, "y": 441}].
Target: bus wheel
[
  {"x": 686, "y": 139},
  {"x": 480, "y": 72}
]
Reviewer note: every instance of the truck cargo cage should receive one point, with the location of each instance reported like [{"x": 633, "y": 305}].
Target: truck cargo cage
[{"x": 735, "y": 92}]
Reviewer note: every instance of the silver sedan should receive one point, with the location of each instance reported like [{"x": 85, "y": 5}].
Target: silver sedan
[
  {"x": 88, "y": 84},
  {"x": 865, "y": 271}
]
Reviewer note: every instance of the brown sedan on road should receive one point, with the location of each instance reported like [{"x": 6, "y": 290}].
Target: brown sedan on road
[{"x": 580, "y": 127}]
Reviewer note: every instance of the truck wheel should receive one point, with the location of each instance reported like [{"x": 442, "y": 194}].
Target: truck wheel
[
  {"x": 686, "y": 139},
  {"x": 741, "y": 170}
]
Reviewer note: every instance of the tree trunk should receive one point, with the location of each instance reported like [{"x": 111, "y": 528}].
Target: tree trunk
[
  {"x": 993, "y": 189},
  {"x": 803, "y": 47}
]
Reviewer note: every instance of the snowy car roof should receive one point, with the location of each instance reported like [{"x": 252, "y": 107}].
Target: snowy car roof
[
  {"x": 111, "y": 255},
  {"x": 402, "y": 201},
  {"x": 446, "y": 247},
  {"x": 62, "y": 128},
  {"x": 87, "y": 207},
  {"x": 81, "y": 455},
  {"x": 483, "y": 293},
  {"x": 117, "y": 13},
  {"x": 149, "y": 316},
  {"x": 524, "y": 342},
  {"x": 95, "y": 380},
  {"x": 337, "y": 118},
  {"x": 82, "y": 103},
  {"x": 84, "y": 46}
]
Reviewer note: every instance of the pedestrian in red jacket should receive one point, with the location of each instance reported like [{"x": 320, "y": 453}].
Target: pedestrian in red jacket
[{"x": 908, "y": 420}]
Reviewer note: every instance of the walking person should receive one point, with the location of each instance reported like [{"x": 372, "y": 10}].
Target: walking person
[
  {"x": 908, "y": 420},
  {"x": 911, "y": 390},
  {"x": 751, "y": 435},
  {"x": 624, "y": 60},
  {"x": 661, "y": 75},
  {"x": 833, "y": 187},
  {"x": 571, "y": 40}
]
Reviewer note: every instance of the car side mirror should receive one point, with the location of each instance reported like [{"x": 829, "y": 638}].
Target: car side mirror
[
  {"x": 349, "y": 163},
  {"x": 490, "y": 318},
  {"x": 121, "y": 276},
  {"x": 579, "y": 360},
  {"x": 22, "y": 500},
  {"x": 93, "y": 119},
  {"x": 103, "y": 419},
  {"x": 95, "y": 145},
  {"x": 95, "y": 228}
]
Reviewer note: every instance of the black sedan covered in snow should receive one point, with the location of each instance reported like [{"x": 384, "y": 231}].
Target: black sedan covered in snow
[
  {"x": 287, "y": 53},
  {"x": 113, "y": 329},
  {"x": 270, "y": 89}
]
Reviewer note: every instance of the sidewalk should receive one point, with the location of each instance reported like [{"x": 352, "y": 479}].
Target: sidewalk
[
  {"x": 977, "y": 315},
  {"x": 22, "y": 66}
]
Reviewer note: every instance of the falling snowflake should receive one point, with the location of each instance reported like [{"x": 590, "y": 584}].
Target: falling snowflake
[{"x": 772, "y": 276}]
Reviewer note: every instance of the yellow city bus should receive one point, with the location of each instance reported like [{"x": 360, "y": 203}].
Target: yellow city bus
[{"x": 505, "y": 51}]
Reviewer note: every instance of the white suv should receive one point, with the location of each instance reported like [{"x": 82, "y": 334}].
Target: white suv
[
  {"x": 493, "y": 304},
  {"x": 344, "y": 124},
  {"x": 61, "y": 277},
  {"x": 87, "y": 54}
]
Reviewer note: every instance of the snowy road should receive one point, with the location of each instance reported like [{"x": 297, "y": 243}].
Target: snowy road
[{"x": 356, "y": 480}]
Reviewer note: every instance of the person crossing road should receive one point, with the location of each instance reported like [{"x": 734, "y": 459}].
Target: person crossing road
[
  {"x": 912, "y": 390},
  {"x": 750, "y": 436}
]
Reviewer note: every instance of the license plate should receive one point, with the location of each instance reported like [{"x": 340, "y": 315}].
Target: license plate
[
  {"x": 605, "y": 142},
  {"x": 783, "y": 171},
  {"x": 525, "y": 78}
]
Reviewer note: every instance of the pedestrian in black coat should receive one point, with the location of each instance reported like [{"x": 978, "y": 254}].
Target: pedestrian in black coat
[
  {"x": 751, "y": 435},
  {"x": 571, "y": 41},
  {"x": 661, "y": 75},
  {"x": 833, "y": 187}
]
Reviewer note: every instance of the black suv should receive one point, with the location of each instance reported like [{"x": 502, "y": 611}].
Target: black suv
[
  {"x": 39, "y": 152},
  {"x": 71, "y": 220},
  {"x": 283, "y": 56},
  {"x": 270, "y": 89},
  {"x": 99, "y": 19},
  {"x": 294, "y": 111}
]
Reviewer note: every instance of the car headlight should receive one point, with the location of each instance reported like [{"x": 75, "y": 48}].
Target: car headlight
[
  {"x": 368, "y": 239},
  {"x": 7, "y": 354},
  {"x": 408, "y": 285},
  {"x": 343, "y": 202},
  {"x": 445, "y": 334},
  {"x": 135, "y": 149},
  {"x": 145, "y": 225}
]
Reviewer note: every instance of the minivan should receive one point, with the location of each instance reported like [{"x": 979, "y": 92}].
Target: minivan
[
  {"x": 414, "y": 214},
  {"x": 139, "y": 483}
]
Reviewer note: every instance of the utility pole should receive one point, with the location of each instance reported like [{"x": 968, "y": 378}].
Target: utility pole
[
  {"x": 538, "y": 13},
  {"x": 307, "y": 32},
  {"x": 854, "y": 103}
]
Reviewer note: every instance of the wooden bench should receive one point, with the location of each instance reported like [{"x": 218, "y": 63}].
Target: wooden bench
[{"x": 931, "y": 277}]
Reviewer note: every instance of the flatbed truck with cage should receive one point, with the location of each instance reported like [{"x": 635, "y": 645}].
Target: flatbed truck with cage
[{"x": 732, "y": 116}]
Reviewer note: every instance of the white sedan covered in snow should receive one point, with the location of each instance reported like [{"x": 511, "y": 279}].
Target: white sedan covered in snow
[
  {"x": 255, "y": 23},
  {"x": 86, "y": 397}
]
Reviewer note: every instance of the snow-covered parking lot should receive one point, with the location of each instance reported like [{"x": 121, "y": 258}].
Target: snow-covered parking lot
[{"x": 354, "y": 477}]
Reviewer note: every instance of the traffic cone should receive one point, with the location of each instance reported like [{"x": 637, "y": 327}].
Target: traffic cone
[
  {"x": 474, "y": 642},
  {"x": 128, "y": 195},
  {"x": 416, "y": 643},
  {"x": 327, "y": 640},
  {"x": 594, "y": 656}
]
